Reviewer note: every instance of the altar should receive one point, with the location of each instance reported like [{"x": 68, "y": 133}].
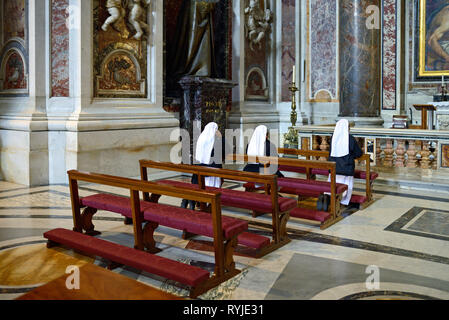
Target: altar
[{"x": 434, "y": 116}]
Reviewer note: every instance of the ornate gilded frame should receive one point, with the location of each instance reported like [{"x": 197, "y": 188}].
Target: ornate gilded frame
[{"x": 422, "y": 72}]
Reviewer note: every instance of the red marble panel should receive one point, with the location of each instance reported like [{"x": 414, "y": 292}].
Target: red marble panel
[
  {"x": 288, "y": 46},
  {"x": 445, "y": 156},
  {"x": 60, "y": 48},
  {"x": 389, "y": 54}
]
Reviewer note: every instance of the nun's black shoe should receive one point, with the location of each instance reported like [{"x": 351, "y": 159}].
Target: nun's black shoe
[
  {"x": 319, "y": 202},
  {"x": 184, "y": 203},
  {"x": 192, "y": 204}
]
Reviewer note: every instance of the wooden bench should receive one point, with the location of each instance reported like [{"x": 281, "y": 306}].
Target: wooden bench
[
  {"x": 224, "y": 230},
  {"x": 367, "y": 175},
  {"x": 304, "y": 187},
  {"x": 269, "y": 202}
]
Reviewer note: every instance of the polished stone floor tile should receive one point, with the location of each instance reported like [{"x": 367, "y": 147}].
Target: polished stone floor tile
[{"x": 404, "y": 234}]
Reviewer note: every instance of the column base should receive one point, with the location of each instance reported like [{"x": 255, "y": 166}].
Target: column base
[{"x": 364, "y": 122}]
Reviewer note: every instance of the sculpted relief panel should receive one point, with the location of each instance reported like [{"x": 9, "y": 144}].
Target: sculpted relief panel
[
  {"x": 120, "y": 74},
  {"x": 258, "y": 23},
  {"x": 120, "y": 48}
]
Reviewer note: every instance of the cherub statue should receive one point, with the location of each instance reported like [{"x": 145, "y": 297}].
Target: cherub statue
[
  {"x": 117, "y": 13},
  {"x": 258, "y": 23},
  {"x": 136, "y": 8}
]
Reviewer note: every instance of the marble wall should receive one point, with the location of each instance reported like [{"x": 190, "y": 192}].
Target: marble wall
[
  {"x": 322, "y": 57},
  {"x": 64, "y": 120}
]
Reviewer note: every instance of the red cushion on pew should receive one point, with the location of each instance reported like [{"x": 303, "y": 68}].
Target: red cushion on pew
[
  {"x": 167, "y": 268},
  {"x": 196, "y": 222},
  {"x": 320, "y": 172},
  {"x": 319, "y": 186},
  {"x": 310, "y": 214},
  {"x": 292, "y": 169},
  {"x": 358, "y": 174},
  {"x": 254, "y": 201},
  {"x": 169, "y": 216},
  {"x": 356, "y": 198},
  {"x": 303, "y": 187},
  {"x": 241, "y": 199},
  {"x": 113, "y": 203},
  {"x": 253, "y": 240}
]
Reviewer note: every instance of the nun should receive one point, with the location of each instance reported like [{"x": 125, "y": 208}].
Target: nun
[
  {"x": 207, "y": 143},
  {"x": 343, "y": 151},
  {"x": 261, "y": 146}
]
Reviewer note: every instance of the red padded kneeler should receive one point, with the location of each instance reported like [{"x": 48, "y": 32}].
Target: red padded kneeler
[
  {"x": 253, "y": 240},
  {"x": 310, "y": 214},
  {"x": 164, "y": 267}
]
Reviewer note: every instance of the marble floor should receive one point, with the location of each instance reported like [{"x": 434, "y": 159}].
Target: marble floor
[{"x": 397, "y": 248}]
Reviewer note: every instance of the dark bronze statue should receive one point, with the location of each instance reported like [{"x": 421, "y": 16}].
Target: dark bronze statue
[{"x": 192, "y": 49}]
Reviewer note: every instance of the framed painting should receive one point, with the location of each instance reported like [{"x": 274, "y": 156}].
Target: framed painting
[{"x": 433, "y": 38}]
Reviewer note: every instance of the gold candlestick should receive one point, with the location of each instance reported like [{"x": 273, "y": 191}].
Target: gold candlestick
[
  {"x": 294, "y": 115},
  {"x": 291, "y": 137}
]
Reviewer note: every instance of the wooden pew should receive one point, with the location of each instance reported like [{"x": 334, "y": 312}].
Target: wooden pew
[
  {"x": 304, "y": 187},
  {"x": 224, "y": 230},
  {"x": 367, "y": 175},
  {"x": 269, "y": 202}
]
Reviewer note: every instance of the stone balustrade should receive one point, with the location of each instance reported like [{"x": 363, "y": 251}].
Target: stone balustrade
[{"x": 393, "y": 148}]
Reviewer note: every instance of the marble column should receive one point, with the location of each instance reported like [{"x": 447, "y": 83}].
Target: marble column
[{"x": 360, "y": 62}]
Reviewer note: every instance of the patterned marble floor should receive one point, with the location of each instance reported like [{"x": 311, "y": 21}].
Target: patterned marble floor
[{"x": 402, "y": 238}]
